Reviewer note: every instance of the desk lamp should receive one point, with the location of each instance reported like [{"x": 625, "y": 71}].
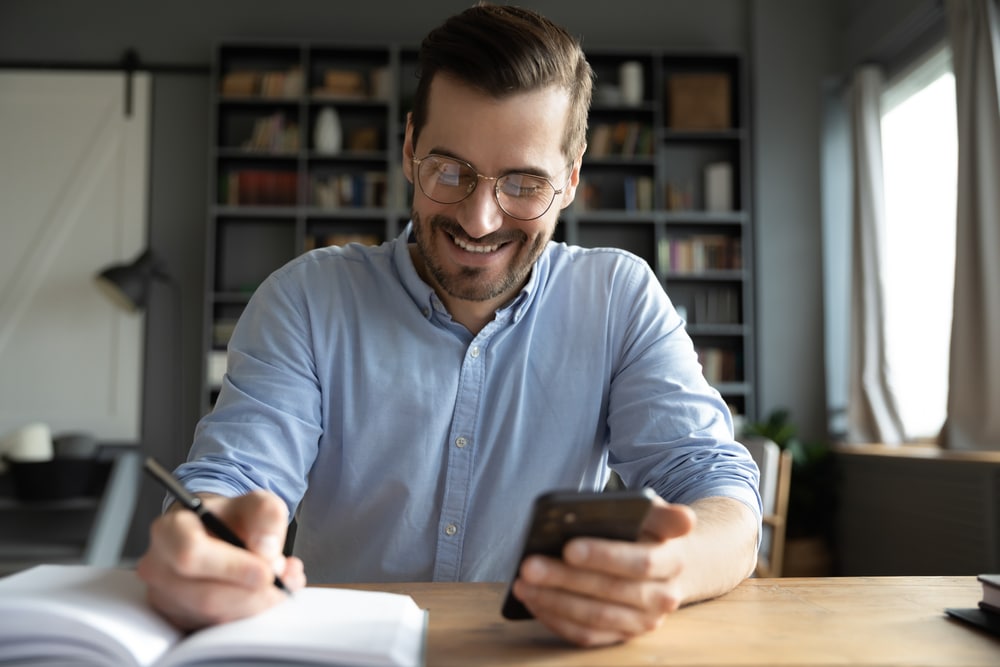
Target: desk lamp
[{"x": 128, "y": 285}]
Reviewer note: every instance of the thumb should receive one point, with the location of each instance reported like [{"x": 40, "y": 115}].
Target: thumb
[
  {"x": 666, "y": 521},
  {"x": 261, "y": 519}
]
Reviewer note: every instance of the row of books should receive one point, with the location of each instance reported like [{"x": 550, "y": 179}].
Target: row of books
[
  {"x": 718, "y": 364},
  {"x": 259, "y": 187},
  {"x": 621, "y": 139},
  {"x": 632, "y": 193},
  {"x": 696, "y": 253},
  {"x": 349, "y": 190},
  {"x": 263, "y": 83},
  {"x": 273, "y": 134},
  {"x": 353, "y": 84},
  {"x": 717, "y": 305}
]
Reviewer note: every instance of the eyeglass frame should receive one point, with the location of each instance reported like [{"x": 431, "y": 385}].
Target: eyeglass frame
[{"x": 496, "y": 184}]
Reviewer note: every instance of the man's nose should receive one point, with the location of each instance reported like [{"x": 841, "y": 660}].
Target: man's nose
[{"x": 481, "y": 214}]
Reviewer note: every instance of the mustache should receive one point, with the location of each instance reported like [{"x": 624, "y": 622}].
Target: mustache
[{"x": 450, "y": 226}]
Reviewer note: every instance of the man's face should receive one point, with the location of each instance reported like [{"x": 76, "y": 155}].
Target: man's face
[{"x": 472, "y": 250}]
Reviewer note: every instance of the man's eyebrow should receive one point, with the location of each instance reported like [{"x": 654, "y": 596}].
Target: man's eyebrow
[{"x": 531, "y": 171}]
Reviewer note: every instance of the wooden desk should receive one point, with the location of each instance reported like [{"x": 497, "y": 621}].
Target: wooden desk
[{"x": 825, "y": 621}]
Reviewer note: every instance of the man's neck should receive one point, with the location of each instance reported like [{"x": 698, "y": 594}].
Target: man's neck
[{"x": 473, "y": 315}]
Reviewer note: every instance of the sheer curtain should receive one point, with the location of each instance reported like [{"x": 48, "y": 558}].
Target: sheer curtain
[
  {"x": 974, "y": 387},
  {"x": 872, "y": 414}
]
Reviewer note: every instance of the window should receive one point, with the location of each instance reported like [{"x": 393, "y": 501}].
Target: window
[{"x": 920, "y": 152}]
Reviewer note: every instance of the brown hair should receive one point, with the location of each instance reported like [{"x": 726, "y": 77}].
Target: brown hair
[{"x": 503, "y": 50}]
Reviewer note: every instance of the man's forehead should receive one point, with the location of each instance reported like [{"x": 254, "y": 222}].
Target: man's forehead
[{"x": 527, "y": 125}]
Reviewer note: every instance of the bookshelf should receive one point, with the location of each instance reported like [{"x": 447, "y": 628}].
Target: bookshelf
[{"x": 666, "y": 176}]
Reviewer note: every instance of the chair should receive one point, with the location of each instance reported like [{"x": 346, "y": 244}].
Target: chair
[{"x": 775, "y": 480}]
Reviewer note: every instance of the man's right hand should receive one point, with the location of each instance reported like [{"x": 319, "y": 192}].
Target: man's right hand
[{"x": 196, "y": 579}]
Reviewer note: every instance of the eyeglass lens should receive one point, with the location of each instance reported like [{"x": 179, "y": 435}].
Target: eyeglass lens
[{"x": 449, "y": 181}]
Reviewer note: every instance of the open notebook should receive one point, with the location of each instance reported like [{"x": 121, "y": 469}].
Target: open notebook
[{"x": 76, "y": 614}]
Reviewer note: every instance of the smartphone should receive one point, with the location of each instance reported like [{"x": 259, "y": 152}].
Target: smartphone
[{"x": 559, "y": 516}]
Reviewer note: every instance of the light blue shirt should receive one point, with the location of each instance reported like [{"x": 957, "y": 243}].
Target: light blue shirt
[{"x": 411, "y": 450}]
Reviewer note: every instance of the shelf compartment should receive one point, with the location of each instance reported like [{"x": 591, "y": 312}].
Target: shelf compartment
[
  {"x": 249, "y": 249},
  {"x": 338, "y": 232},
  {"x": 259, "y": 129},
  {"x": 629, "y": 187},
  {"x": 636, "y": 237},
  {"x": 337, "y": 74},
  {"x": 254, "y": 182},
  {"x": 687, "y": 183},
  {"x": 702, "y": 92},
  {"x": 708, "y": 304},
  {"x": 260, "y": 71}
]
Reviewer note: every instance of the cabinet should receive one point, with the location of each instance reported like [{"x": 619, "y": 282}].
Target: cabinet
[{"x": 666, "y": 176}]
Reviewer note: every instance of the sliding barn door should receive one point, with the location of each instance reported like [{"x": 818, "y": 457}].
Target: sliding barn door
[{"x": 73, "y": 181}]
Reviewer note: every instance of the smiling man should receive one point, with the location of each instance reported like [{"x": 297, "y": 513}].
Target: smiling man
[{"x": 408, "y": 402}]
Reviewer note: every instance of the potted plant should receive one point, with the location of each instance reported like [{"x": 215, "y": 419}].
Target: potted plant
[{"x": 811, "y": 506}]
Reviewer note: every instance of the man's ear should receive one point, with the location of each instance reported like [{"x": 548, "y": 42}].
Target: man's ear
[
  {"x": 569, "y": 194},
  {"x": 408, "y": 148}
]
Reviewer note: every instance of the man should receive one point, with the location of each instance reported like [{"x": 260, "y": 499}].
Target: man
[{"x": 408, "y": 402}]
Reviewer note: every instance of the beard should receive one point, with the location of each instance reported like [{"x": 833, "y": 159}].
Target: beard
[{"x": 474, "y": 283}]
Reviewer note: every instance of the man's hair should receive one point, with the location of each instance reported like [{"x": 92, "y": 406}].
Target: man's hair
[{"x": 503, "y": 50}]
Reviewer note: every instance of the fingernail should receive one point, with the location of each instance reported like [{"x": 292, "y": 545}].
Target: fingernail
[
  {"x": 534, "y": 569},
  {"x": 577, "y": 552},
  {"x": 268, "y": 546}
]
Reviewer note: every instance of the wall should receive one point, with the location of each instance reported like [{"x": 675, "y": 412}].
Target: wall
[{"x": 792, "y": 49}]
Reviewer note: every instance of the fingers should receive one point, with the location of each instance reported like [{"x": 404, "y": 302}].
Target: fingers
[
  {"x": 195, "y": 579},
  {"x": 596, "y": 610},
  {"x": 260, "y": 519},
  {"x": 665, "y": 521},
  {"x": 646, "y": 594},
  {"x": 607, "y": 591}
]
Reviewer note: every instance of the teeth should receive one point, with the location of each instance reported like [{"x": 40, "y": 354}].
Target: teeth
[{"x": 468, "y": 247}]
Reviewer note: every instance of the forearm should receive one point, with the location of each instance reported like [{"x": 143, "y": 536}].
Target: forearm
[{"x": 721, "y": 550}]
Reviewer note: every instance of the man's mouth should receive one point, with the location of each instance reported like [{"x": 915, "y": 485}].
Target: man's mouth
[{"x": 479, "y": 248}]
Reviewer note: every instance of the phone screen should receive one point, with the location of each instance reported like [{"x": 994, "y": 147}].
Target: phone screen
[{"x": 560, "y": 516}]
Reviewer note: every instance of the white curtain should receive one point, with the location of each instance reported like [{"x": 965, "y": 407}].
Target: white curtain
[
  {"x": 974, "y": 388},
  {"x": 872, "y": 415}
]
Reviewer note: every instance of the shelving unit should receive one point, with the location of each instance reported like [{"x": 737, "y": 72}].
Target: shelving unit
[{"x": 644, "y": 180}]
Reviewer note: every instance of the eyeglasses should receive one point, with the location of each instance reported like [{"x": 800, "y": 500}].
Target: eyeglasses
[{"x": 447, "y": 180}]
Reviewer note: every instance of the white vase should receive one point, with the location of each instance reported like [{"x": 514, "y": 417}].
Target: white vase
[
  {"x": 630, "y": 82},
  {"x": 328, "y": 135}
]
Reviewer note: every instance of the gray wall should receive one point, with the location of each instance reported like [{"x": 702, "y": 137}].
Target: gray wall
[{"x": 792, "y": 45}]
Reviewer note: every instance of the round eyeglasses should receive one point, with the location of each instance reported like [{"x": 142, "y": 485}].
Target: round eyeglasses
[{"x": 447, "y": 180}]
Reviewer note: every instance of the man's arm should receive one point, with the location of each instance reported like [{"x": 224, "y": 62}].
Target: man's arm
[{"x": 605, "y": 591}]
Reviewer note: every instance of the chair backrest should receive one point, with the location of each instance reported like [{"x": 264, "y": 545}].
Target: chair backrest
[{"x": 775, "y": 480}]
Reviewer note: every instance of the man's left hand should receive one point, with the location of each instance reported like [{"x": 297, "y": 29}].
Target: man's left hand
[{"x": 608, "y": 591}]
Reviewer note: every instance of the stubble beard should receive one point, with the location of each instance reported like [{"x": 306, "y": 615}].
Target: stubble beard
[{"x": 471, "y": 283}]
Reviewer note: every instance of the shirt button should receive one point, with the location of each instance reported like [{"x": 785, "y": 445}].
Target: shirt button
[
  {"x": 450, "y": 529},
  {"x": 461, "y": 442},
  {"x": 426, "y": 312},
  {"x": 474, "y": 351}
]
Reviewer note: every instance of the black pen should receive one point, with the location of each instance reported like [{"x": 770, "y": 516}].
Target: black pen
[{"x": 193, "y": 503}]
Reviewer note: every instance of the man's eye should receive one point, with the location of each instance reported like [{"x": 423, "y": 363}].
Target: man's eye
[
  {"x": 521, "y": 187},
  {"x": 448, "y": 174}
]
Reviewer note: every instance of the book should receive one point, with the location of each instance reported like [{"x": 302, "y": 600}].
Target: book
[
  {"x": 80, "y": 614},
  {"x": 991, "y": 592},
  {"x": 987, "y": 615}
]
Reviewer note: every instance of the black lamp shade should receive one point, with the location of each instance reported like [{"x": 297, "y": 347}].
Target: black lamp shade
[{"x": 128, "y": 285}]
